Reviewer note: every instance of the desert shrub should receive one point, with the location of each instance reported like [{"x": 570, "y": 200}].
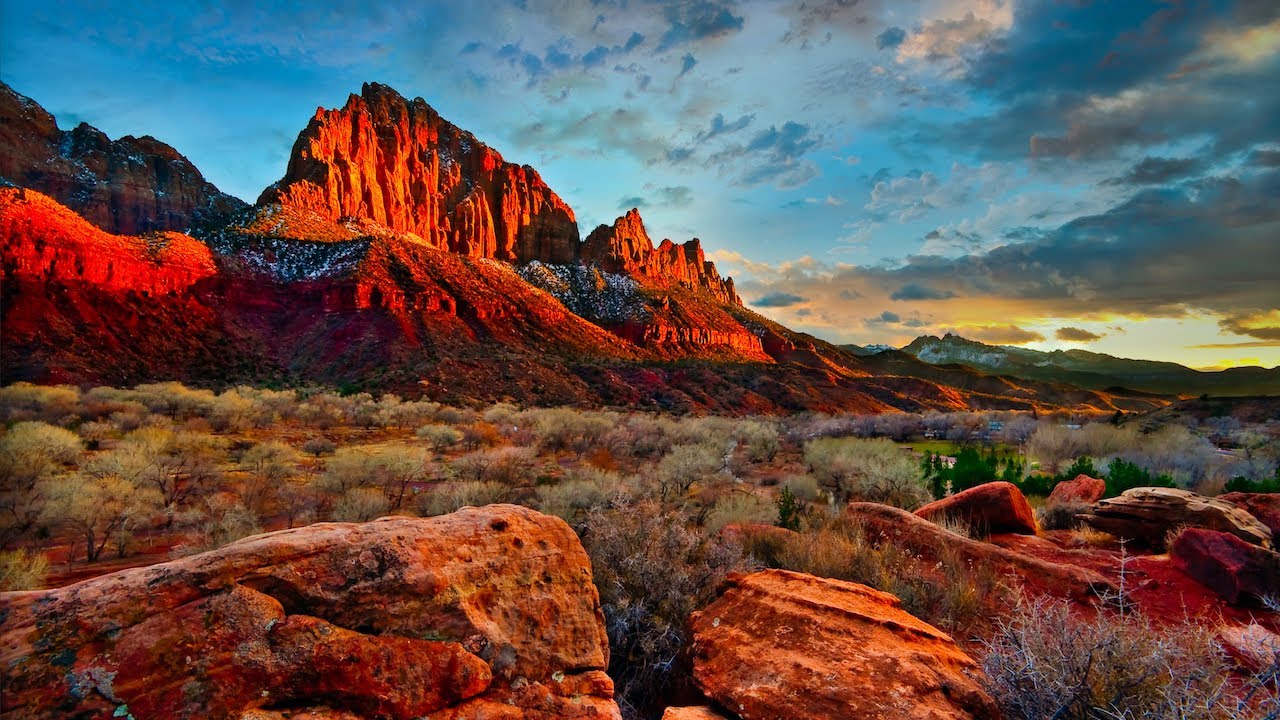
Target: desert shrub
[
  {"x": 739, "y": 508},
  {"x": 179, "y": 466},
  {"x": 572, "y": 499},
  {"x": 392, "y": 469},
  {"x": 22, "y": 570},
  {"x": 361, "y": 505},
  {"x": 686, "y": 465},
  {"x": 267, "y": 466},
  {"x": 99, "y": 509},
  {"x": 804, "y": 487},
  {"x": 652, "y": 570},
  {"x": 439, "y": 437},
  {"x": 1244, "y": 484},
  {"x": 224, "y": 519},
  {"x": 480, "y": 434},
  {"x": 567, "y": 429},
  {"x": 31, "y": 453},
  {"x": 58, "y": 404},
  {"x": 319, "y": 445},
  {"x": 760, "y": 438},
  {"x": 869, "y": 470},
  {"x": 1061, "y": 516},
  {"x": 950, "y": 592},
  {"x": 1047, "y": 661},
  {"x": 641, "y": 436},
  {"x": 506, "y": 465},
  {"x": 443, "y": 498}
]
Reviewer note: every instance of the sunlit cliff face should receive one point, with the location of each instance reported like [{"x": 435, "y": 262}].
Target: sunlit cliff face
[{"x": 1095, "y": 175}]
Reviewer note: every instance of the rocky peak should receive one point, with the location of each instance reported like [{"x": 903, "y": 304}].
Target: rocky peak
[
  {"x": 625, "y": 247},
  {"x": 127, "y": 186},
  {"x": 398, "y": 163}
]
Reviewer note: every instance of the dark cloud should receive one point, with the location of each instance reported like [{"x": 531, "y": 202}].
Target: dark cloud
[
  {"x": 687, "y": 63},
  {"x": 778, "y": 300},
  {"x": 697, "y": 20},
  {"x": 1257, "y": 325},
  {"x": 1157, "y": 171},
  {"x": 668, "y": 196},
  {"x": 999, "y": 334},
  {"x": 1265, "y": 157},
  {"x": 720, "y": 127},
  {"x": 891, "y": 38},
  {"x": 1083, "y": 266},
  {"x": 776, "y": 156},
  {"x": 916, "y": 291},
  {"x": 1074, "y": 334}
]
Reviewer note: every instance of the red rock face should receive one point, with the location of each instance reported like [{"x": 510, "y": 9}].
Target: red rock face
[
  {"x": 1231, "y": 567},
  {"x": 128, "y": 186},
  {"x": 487, "y": 612},
  {"x": 398, "y": 163},
  {"x": 994, "y": 507},
  {"x": 779, "y": 644},
  {"x": 1264, "y": 506},
  {"x": 1081, "y": 489},
  {"x": 626, "y": 248}
]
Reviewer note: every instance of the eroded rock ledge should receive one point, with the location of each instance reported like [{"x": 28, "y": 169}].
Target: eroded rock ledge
[{"x": 485, "y": 612}]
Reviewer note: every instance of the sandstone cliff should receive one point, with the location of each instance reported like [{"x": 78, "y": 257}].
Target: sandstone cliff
[
  {"x": 625, "y": 247},
  {"x": 128, "y": 186},
  {"x": 398, "y": 163}
]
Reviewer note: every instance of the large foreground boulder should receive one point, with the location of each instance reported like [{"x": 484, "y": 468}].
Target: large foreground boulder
[
  {"x": 1147, "y": 515},
  {"x": 994, "y": 507},
  {"x": 487, "y": 612},
  {"x": 1231, "y": 567},
  {"x": 1080, "y": 490},
  {"x": 780, "y": 644},
  {"x": 885, "y": 524}
]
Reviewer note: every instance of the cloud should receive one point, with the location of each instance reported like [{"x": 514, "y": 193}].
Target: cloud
[
  {"x": 1246, "y": 344},
  {"x": 999, "y": 334},
  {"x": 719, "y": 126},
  {"x": 698, "y": 21},
  {"x": 674, "y": 196},
  {"x": 916, "y": 291},
  {"x": 1264, "y": 325},
  {"x": 686, "y": 64},
  {"x": 1075, "y": 334},
  {"x": 775, "y": 155},
  {"x": 1157, "y": 171},
  {"x": 892, "y": 37},
  {"x": 778, "y": 300}
]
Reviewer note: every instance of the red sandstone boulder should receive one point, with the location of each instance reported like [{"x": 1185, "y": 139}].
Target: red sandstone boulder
[
  {"x": 701, "y": 712},
  {"x": 1231, "y": 567},
  {"x": 779, "y": 644},
  {"x": 885, "y": 524},
  {"x": 1252, "y": 646},
  {"x": 995, "y": 507},
  {"x": 485, "y": 612},
  {"x": 1080, "y": 490},
  {"x": 1147, "y": 515},
  {"x": 1264, "y": 506}
]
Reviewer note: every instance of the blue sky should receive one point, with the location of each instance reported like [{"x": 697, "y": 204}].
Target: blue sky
[{"x": 1053, "y": 173}]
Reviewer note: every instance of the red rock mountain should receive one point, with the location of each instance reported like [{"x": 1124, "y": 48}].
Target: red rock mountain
[
  {"x": 398, "y": 163},
  {"x": 127, "y": 186},
  {"x": 626, "y": 248},
  {"x": 401, "y": 254}
]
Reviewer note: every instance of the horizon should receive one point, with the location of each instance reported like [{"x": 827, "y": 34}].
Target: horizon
[{"x": 1028, "y": 174}]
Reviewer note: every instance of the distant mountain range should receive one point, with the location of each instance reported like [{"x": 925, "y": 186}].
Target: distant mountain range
[
  {"x": 401, "y": 254},
  {"x": 1084, "y": 369}
]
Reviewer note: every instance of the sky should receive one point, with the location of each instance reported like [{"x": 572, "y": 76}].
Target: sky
[{"x": 1048, "y": 173}]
